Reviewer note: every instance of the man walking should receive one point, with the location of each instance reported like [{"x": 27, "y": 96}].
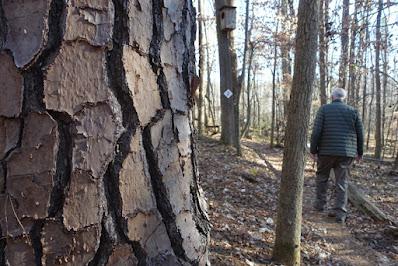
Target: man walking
[{"x": 337, "y": 138}]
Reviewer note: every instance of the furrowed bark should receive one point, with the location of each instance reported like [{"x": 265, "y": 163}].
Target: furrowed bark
[{"x": 85, "y": 84}]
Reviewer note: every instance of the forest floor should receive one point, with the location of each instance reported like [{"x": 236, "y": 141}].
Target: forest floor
[{"x": 242, "y": 195}]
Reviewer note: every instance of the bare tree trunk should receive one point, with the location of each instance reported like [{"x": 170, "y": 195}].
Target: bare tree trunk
[
  {"x": 385, "y": 68},
  {"x": 248, "y": 93},
  {"x": 390, "y": 122},
  {"x": 228, "y": 81},
  {"x": 378, "y": 134},
  {"x": 322, "y": 52},
  {"x": 258, "y": 112},
  {"x": 273, "y": 115},
  {"x": 201, "y": 68},
  {"x": 364, "y": 48},
  {"x": 209, "y": 87},
  {"x": 345, "y": 24},
  {"x": 227, "y": 58},
  {"x": 285, "y": 56},
  {"x": 99, "y": 158},
  {"x": 288, "y": 234},
  {"x": 279, "y": 114},
  {"x": 327, "y": 32},
  {"x": 370, "y": 109},
  {"x": 352, "y": 97}
]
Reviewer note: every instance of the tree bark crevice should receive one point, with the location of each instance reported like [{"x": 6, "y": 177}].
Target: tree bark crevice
[
  {"x": 162, "y": 198},
  {"x": 119, "y": 87},
  {"x": 154, "y": 52},
  {"x": 35, "y": 238},
  {"x": 63, "y": 164},
  {"x": 104, "y": 250}
]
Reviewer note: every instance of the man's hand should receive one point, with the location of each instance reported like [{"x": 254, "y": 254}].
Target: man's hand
[
  {"x": 358, "y": 158},
  {"x": 314, "y": 156}
]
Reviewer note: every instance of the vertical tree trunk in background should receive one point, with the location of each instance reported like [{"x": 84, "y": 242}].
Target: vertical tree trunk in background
[
  {"x": 378, "y": 129},
  {"x": 385, "y": 69},
  {"x": 353, "y": 59},
  {"x": 98, "y": 157},
  {"x": 209, "y": 88},
  {"x": 345, "y": 26},
  {"x": 248, "y": 94},
  {"x": 390, "y": 122},
  {"x": 370, "y": 108},
  {"x": 322, "y": 52},
  {"x": 228, "y": 81},
  {"x": 273, "y": 111},
  {"x": 365, "y": 26},
  {"x": 328, "y": 33},
  {"x": 201, "y": 68},
  {"x": 288, "y": 228},
  {"x": 258, "y": 113},
  {"x": 285, "y": 55}
]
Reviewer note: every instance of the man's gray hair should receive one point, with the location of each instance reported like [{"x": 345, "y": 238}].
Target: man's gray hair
[{"x": 339, "y": 93}]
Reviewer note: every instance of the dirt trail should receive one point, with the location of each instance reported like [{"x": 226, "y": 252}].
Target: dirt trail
[
  {"x": 346, "y": 249},
  {"x": 242, "y": 194}
]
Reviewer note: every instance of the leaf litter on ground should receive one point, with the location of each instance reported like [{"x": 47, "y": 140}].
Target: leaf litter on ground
[{"x": 242, "y": 193}]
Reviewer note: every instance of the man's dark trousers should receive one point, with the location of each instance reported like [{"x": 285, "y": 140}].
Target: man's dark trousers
[{"x": 340, "y": 165}]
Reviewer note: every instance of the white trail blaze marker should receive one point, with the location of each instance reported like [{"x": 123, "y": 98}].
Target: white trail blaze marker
[{"x": 228, "y": 93}]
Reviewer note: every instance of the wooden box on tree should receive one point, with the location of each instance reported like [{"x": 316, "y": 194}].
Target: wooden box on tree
[{"x": 228, "y": 15}]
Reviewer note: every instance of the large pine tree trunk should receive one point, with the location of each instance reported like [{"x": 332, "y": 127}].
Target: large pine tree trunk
[
  {"x": 288, "y": 230},
  {"x": 96, "y": 147}
]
